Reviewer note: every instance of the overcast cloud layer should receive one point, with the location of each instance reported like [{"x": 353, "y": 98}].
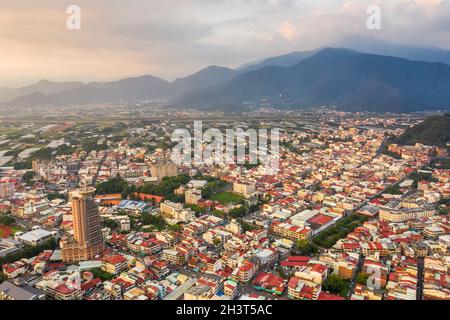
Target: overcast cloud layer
[{"x": 173, "y": 38}]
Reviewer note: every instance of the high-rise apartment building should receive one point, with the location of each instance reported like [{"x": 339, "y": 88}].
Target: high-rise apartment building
[
  {"x": 87, "y": 241},
  {"x": 6, "y": 189}
]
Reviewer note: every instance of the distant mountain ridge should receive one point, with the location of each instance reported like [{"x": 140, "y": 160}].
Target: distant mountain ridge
[
  {"x": 286, "y": 60},
  {"x": 378, "y": 47},
  {"x": 347, "y": 79},
  {"x": 344, "y": 78},
  {"x": 43, "y": 86},
  {"x": 211, "y": 76},
  {"x": 130, "y": 89}
]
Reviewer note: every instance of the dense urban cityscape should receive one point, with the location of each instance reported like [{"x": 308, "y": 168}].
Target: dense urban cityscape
[
  {"x": 224, "y": 159},
  {"x": 98, "y": 211}
]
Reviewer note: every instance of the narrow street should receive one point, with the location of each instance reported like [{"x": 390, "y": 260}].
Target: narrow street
[
  {"x": 355, "y": 275},
  {"x": 94, "y": 180},
  {"x": 420, "y": 276}
]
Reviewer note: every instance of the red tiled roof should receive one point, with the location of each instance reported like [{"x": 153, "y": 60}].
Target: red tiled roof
[
  {"x": 115, "y": 259},
  {"x": 90, "y": 284},
  {"x": 329, "y": 296},
  {"x": 321, "y": 219}
]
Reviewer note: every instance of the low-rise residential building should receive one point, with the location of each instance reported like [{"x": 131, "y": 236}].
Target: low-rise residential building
[{"x": 114, "y": 264}]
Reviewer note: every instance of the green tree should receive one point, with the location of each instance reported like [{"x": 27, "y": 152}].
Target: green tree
[
  {"x": 197, "y": 209},
  {"x": 306, "y": 247},
  {"x": 238, "y": 212},
  {"x": 247, "y": 226},
  {"x": 113, "y": 185},
  {"x": 128, "y": 192},
  {"x": 166, "y": 188},
  {"x": 156, "y": 221},
  {"x": 393, "y": 190},
  {"x": 336, "y": 285},
  {"x": 3, "y": 277},
  {"x": 362, "y": 278},
  {"x": 28, "y": 252},
  {"x": 175, "y": 227},
  {"x": 103, "y": 275},
  {"x": 52, "y": 196},
  {"x": 28, "y": 177},
  {"x": 111, "y": 224},
  {"x": 7, "y": 220}
]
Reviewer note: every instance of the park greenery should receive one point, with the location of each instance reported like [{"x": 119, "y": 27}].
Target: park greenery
[
  {"x": 392, "y": 154},
  {"x": 336, "y": 285},
  {"x": 238, "y": 212},
  {"x": 440, "y": 163},
  {"x": 394, "y": 190},
  {"x": 362, "y": 278},
  {"x": 7, "y": 220},
  {"x": 166, "y": 187},
  {"x": 213, "y": 188},
  {"x": 28, "y": 177},
  {"x": 111, "y": 186},
  {"x": 340, "y": 230},
  {"x": 3, "y": 277},
  {"x": 111, "y": 224},
  {"x": 443, "y": 206},
  {"x": 28, "y": 252},
  {"x": 225, "y": 198},
  {"x": 56, "y": 195},
  {"x": 103, "y": 275},
  {"x": 157, "y": 221},
  {"x": 247, "y": 226},
  {"x": 196, "y": 208},
  {"x": 306, "y": 248}
]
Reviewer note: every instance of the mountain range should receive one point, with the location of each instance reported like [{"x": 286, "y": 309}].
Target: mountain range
[
  {"x": 348, "y": 79},
  {"x": 375, "y": 46},
  {"x": 44, "y": 86},
  {"x": 126, "y": 90}
]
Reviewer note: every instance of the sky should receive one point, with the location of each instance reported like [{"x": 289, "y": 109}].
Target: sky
[{"x": 174, "y": 38}]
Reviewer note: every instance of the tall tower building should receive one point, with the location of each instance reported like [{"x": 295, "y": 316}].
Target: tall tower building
[{"x": 87, "y": 241}]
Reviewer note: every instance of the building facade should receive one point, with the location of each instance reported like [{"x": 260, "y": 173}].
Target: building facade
[{"x": 87, "y": 241}]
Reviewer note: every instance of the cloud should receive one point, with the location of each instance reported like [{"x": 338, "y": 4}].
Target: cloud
[
  {"x": 288, "y": 30},
  {"x": 174, "y": 38}
]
